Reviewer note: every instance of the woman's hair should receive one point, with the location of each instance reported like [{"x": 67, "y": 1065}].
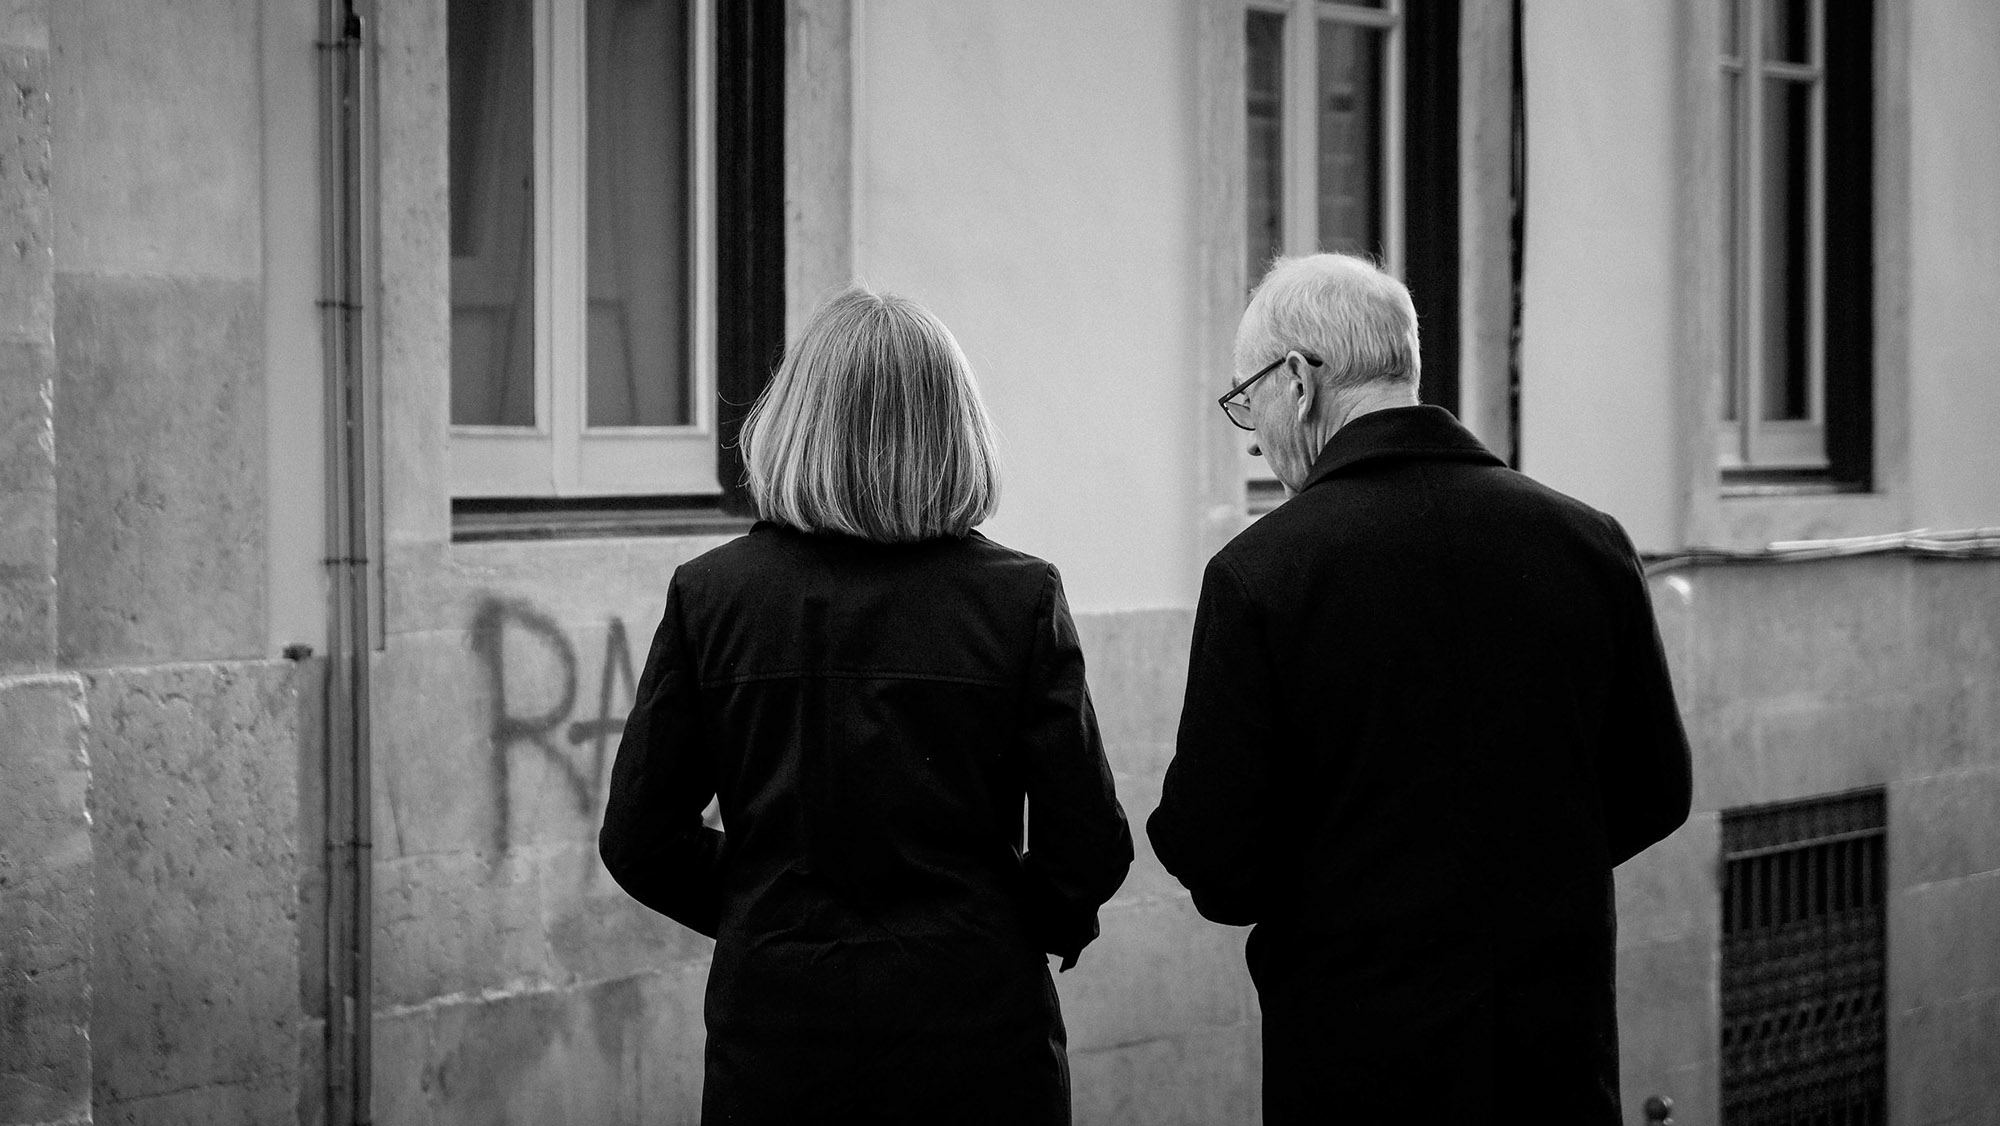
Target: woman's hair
[{"x": 873, "y": 427}]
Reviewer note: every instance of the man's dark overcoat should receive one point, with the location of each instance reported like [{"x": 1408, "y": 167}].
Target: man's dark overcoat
[
  {"x": 871, "y": 718},
  {"x": 1427, "y": 713}
]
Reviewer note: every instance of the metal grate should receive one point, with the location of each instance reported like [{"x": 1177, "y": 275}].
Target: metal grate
[{"x": 1803, "y": 963}]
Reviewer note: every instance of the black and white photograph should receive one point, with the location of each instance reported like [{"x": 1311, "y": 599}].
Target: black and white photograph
[{"x": 999, "y": 562}]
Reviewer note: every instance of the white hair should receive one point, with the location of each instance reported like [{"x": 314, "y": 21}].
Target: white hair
[
  {"x": 1343, "y": 309},
  {"x": 873, "y": 427}
]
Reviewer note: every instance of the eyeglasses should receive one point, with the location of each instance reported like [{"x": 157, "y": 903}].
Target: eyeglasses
[{"x": 1235, "y": 403}]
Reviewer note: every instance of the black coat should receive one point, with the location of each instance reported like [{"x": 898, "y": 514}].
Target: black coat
[
  {"x": 871, "y": 718},
  {"x": 1427, "y": 712}
]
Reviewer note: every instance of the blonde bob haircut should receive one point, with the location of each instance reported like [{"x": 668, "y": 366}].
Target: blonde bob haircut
[{"x": 873, "y": 427}]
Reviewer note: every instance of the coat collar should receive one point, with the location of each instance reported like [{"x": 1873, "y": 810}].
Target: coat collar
[{"x": 1421, "y": 432}]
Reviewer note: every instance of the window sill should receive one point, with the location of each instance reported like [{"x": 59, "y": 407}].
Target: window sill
[
  {"x": 484, "y": 520},
  {"x": 1261, "y": 495},
  {"x": 1751, "y": 515},
  {"x": 1786, "y": 485}
]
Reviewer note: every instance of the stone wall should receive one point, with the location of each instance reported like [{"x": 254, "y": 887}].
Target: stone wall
[
  {"x": 194, "y": 804},
  {"x": 1810, "y": 679},
  {"x": 45, "y": 903},
  {"x": 512, "y": 973},
  {"x": 148, "y": 521},
  {"x": 45, "y": 840}
]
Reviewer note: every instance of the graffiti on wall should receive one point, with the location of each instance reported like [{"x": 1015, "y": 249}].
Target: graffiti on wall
[{"x": 516, "y": 644}]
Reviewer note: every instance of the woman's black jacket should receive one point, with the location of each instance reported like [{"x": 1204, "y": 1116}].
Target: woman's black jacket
[{"x": 870, "y": 718}]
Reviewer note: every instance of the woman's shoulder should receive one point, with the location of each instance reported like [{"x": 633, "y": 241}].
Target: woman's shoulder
[
  {"x": 777, "y": 564},
  {"x": 739, "y": 560},
  {"x": 976, "y": 545},
  {"x": 769, "y": 549}
]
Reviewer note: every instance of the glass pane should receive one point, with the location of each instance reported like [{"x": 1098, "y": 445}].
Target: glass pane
[
  {"x": 1350, "y": 138},
  {"x": 1732, "y": 240},
  {"x": 1788, "y": 30},
  {"x": 1265, "y": 72},
  {"x": 1782, "y": 197},
  {"x": 640, "y": 356},
  {"x": 491, "y": 76}
]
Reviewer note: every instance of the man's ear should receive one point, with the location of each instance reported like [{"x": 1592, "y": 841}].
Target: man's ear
[{"x": 1302, "y": 380}]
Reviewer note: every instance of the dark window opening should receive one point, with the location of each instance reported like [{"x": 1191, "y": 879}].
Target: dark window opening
[{"x": 1803, "y": 963}]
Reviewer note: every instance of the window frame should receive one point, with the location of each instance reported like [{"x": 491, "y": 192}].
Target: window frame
[
  {"x": 1840, "y": 446},
  {"x": 561, "y": 455},
  {"x": 1448, "y": 293},
  {"x": 1299, "y": 131},
  {"x": 1750, "y": 443},
  {"x": 1750, "y": 510}
]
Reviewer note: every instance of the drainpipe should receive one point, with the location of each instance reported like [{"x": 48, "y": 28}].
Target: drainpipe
[{"x": 349, "y": 858}]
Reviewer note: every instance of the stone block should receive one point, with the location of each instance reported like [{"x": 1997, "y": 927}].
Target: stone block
[
  {"x": 158, "y": 128},
  {"x": 1958, "y": 603},
  {"x": 1943, "y": 826},
  {"x": 312, "y": 1075},
  {"x": 594, "y": 931},
  {"x": 1806, "y": 630},
  {"x": 194, "y": 802},
  {"x": 1941, "y": 1061},
  {"x": 432, "y": 591},
  {"x": 1199, "y": 1078},
  {"x": 501, "y": 736},
  {"x": 1137, "y": 662},
  {"x": 626, "y": 1050},
  {"x": 1148, "y": 880},
  {"x": 437, "y": 785},
  {"x": 311, "y": 678},
  {"x": 160, "y": 471},
  {"x": 27, "y": 621},
  {"x": 415, "y": 294},
  {"x": 1942, "y": 941},
  {"x": 1670, "y": 891},
  {"x": 1156, "y": 970},
  {"x": 26, "y": 262},
  {"x": 1144, "y": 762},
  {"x": 1669, "y": 1008},
  {"x": 256, "y": 1102},
  {"x": 27, "y": 506},
  {"x": 457, "y": 922},
  {"x": 1764, "y": 749},
  {"x": 25, "y": 23},
  {"x": 45, "y": 902}
]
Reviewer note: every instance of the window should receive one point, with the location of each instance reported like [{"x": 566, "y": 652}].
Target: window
[
  {"x": 1352, "y": 145},
  {"x": 588, "y": 139},
  {"x": 1797, "y": 175},
  {"x": 1804, "y": 961}
]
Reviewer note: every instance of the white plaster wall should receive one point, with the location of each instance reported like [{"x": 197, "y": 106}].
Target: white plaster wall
[
  {"x": 1597, "y": 378},
  {"x": 294, "y": 367},
  {"x": 1955, "y": 267},
  {"x": 1026, "y": 170}
]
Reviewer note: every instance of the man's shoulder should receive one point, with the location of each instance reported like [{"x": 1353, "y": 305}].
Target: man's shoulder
[{"x": 1334, "y": 516}]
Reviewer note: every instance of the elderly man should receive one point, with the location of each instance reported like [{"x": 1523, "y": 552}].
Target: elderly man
[{"x": 1427, "y": 713}]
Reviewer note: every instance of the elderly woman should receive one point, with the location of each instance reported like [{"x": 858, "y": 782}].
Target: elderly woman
[{"x": 870, "y": 689}]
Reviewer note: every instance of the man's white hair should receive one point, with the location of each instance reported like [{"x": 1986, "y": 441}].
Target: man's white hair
[{"x": 1343, "y": 309}]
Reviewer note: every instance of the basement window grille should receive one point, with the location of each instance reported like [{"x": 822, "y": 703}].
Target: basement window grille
[{"x": 1803, "y": 963}]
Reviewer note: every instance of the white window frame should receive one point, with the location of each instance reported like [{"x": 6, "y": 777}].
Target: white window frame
[
  {"x": 1299, "y": 137},
  {"x": 1299, "y": 113},
  {"x": 560, "y": 455},
  {"x": 1749, "y": 442}
]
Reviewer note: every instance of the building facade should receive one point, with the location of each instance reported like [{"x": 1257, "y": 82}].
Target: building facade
[{"x": 369, "y": 365}]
